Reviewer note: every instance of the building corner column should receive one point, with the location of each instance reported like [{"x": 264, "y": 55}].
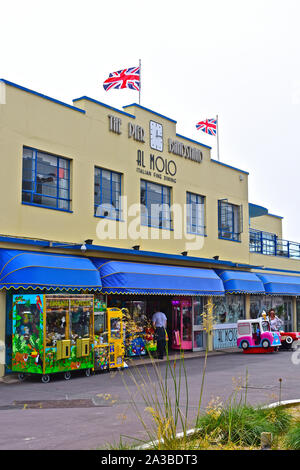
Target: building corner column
[
  {"x": 247, "y": 306},
  {"x": 2, "y": 331},
  {"x": 294, "y": 313}
]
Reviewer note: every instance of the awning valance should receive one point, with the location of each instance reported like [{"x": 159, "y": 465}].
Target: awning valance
[
  {"x": 122, "y": 277},
  {"x": 36, "y": 270},
  {"x": 241, "y": 282},
  {"x": 277, "y": 284}
]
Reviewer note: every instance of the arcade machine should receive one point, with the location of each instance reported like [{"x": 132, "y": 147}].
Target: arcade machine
[{"x": 54, "y": 333}]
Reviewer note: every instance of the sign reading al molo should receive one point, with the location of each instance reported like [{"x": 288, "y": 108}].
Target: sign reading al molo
[
  {"x": 158, "y": 167},
  {"x": 186, "y": 151}
]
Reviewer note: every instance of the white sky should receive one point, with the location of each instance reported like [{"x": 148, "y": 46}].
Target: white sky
[{"x": 236, "y": 58}]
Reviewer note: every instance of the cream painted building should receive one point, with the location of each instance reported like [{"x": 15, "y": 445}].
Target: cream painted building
[{"x": 83, "y": 179}]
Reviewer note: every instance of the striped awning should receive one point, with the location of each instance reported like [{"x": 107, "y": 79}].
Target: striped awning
[
  {"x": 122, "y": 277},
  {"x": 241, "y": 282},
  {"x": 278, "y": 284},
  {"x": 37, "y": 270}
]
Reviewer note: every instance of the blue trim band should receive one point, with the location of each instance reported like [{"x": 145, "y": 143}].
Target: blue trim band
[
  {"x": 277, "y": 216},
  {"x": 150, "y": 111},
  {"x": 27, "y": 90},
  {"x": 229, "y": 166},
  {"x": 194, "y": 141},
  {"x": 87, "y": 98},
  {"x": 46, "y": 207}
]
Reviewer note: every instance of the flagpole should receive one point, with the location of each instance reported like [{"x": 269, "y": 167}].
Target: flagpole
[
  {"x": 140, "y": 84},
  {"x": 218, "y": 137}
]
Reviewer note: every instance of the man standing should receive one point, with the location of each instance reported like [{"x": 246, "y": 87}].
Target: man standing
[{"x": 159, "y": 321}]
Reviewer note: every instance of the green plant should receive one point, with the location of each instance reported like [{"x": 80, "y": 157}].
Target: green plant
[
  {"x": 243, "y": 424},
  {"x": 161, "y": 397},
  {"x": 292, "y": 439}
]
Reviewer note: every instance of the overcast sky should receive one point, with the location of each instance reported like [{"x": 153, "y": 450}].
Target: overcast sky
[{"x": 236, "y": 58}]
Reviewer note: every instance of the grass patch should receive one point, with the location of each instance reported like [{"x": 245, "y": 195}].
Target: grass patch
[
  {"x": 242, "y": 425},
  {"x": 292, "y": 439}
]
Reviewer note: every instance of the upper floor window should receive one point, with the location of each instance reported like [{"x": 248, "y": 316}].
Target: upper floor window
[
  {"x": 155, "y": 205},
  {"x": 230, "y": 221},
  {"x": 195, "y": 213},
  {"x": 263, "y": 242},
  {"x": 107, "y": 199},
  {"x": 46, "y": 180}
]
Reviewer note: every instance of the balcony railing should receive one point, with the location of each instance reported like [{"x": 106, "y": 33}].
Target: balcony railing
[{"x": 269, "y": 244}]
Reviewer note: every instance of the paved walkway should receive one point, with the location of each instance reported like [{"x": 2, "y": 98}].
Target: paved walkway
[
  {"x": 146, "y": 360},
  {"x": 94, "y": 412}
]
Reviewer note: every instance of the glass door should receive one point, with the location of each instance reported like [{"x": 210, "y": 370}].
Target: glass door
[
  {"x": 182, "y": 325},
  {"x": 198, "y": 334},
  {"x": 187, "y": 325}
]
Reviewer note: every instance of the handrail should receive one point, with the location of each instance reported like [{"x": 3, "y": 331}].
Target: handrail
[{"x": 268, "y": 243}]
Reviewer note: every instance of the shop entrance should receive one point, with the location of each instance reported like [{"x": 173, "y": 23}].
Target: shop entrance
[{"x": 182, "y": 324}]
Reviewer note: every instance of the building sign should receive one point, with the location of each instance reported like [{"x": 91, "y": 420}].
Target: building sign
[
  {"x": 225, "y": 338},
  {"x": 114, "y": 124},
  {"x": 186, "y": 151},
  {"x": 156, "y": 166},
  {"x": 136, "y": 132}
]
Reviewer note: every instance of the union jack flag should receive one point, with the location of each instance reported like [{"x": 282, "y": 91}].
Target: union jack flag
[
  {"x": 209, "y": 126},
  {"x": 127, "y": 78}
]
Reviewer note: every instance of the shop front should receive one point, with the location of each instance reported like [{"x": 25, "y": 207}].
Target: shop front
[
  {"x": 140, "y": 290},
  {"x": 50, "y": 321},
  {"x": 281, "y": 292},
  {"x": 232, "y": 307},
  {"x": 184, "y": 321}
]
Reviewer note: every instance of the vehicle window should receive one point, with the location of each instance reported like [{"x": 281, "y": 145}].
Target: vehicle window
[
  {"x": 244, "y": 329},
  {"x": 265, "y": 326}
]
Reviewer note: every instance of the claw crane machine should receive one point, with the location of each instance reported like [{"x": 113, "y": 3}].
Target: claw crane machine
[
  {"x": 54, "y": 333},
  {"x": 109, "y": 347}
]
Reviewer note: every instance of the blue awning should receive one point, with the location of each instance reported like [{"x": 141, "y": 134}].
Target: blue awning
[
  {"x": 36, "y": 270},
  {"x": 122, "y": 277},
  {"x": 277, "y": 284},
  {"x": 241, "y": 282}
]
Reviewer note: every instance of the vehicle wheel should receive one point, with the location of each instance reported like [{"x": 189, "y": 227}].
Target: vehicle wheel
[
  {"x": 87, "y": 372},
  {"x": 244, "y": 345},
  {"x": 46, "y": 378},
  {"x": 67, "y": 375},
  {"x": 21, "y": 377},
  {"x": 287, "y": 343},
  {"x": 265, "y": 344}
]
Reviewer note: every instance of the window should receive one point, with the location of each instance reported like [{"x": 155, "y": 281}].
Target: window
[
  {"x": 195, "y": 214},
  {"x": 229, "y": 221},
  {"x": 155, "y": 205},
  {"x": 229, "y": 309},
  {"x": 46, "y": 180},
  {"x": 283, "y": 307},
  {"x": 269, "y": 244},
  {"x": 107, "y": 200}
]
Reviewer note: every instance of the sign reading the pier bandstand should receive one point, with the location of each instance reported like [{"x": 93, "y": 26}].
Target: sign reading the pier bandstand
[{"x": 186, "y": 151}]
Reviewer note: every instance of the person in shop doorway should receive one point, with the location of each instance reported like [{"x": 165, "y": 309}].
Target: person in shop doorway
[{"x": 159, "y": 321}]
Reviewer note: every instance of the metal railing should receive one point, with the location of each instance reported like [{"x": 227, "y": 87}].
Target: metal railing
[{"x": 269, "y": 244}]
